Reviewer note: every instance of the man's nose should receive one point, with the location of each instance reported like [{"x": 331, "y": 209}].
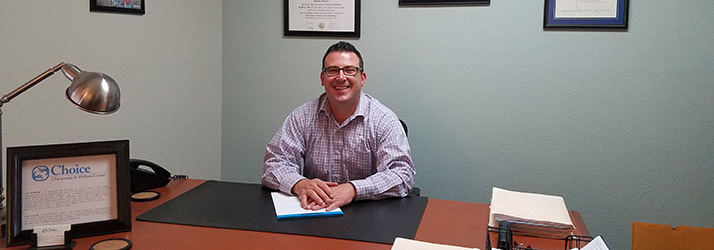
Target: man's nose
[{"x": 341, "y": 74}]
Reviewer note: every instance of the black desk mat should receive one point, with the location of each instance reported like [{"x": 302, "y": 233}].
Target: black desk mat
[{"x": 250, "y": 207}]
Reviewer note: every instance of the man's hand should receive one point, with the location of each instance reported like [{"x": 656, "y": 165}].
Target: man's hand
[
  {"x": 314, "y": 194},
  {"x": 343, "y": 194}
]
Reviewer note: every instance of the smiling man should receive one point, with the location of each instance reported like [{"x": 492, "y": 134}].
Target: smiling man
[{"x": 351, "y": 146}]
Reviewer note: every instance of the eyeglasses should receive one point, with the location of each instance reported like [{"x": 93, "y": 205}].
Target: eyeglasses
[{"x": 334, "y": 70}]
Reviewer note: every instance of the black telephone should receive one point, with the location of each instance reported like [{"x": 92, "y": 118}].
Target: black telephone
[{"x": 142, "y": 179}]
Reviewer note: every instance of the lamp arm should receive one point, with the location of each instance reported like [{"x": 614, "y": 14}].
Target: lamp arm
[{"x": 30, "y": 84}]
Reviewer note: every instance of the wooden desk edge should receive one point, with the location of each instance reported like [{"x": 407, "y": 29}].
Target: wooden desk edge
[{"x": 438, "y": 215}]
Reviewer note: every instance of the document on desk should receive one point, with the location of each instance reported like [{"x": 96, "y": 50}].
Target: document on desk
[
  {"x": 595, "y": 244},
  {"x": 288, "y": 207},
  {"x": 407, "y": 244}
]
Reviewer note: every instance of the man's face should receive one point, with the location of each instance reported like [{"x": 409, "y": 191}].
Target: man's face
[{"x": 342, "y": 89}]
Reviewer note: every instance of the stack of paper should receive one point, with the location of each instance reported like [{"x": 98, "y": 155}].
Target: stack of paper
[
  {"x": 531, "y": 214},
  {"x": 288, "y": 207}
]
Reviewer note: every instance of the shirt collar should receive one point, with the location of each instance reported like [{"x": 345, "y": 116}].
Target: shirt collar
[{"x": 362, "y": 106}]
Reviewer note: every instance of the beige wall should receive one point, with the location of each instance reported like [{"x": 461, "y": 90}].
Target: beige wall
[{"x": 167, "y": 64}]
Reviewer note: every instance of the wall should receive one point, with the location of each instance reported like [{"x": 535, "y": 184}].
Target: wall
[
  {"x": 167, "y": 64},
  {"x": 621, "y": 124}
]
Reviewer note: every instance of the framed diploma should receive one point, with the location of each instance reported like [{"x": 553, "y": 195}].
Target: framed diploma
[
  {"x": 330, "y": 18},
  {"x": 118, "y": 6},
  {"x": 442, "y": 2},
  {"x": 85, "y": 185},
  {"x": 589, "y": 14}
]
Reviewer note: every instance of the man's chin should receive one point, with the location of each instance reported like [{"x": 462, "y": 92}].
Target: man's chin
[{"x": 341, "y": 99}]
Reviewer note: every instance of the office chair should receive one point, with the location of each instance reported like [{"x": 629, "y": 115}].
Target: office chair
[
  {"x": 404, "y": 125},
  {"x": 415, "y": 190}
]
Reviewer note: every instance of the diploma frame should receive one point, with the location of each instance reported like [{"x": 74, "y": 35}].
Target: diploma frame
[
  {"x": 443, "y": 2},
  {"x": 325, "y": 32},
  {"x": 104, "y": 6},
  {"x": 15, "y": 157},
  {"x": 618, "y": 22}
]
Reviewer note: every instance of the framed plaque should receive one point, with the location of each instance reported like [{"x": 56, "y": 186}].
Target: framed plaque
[
  {"x": 329, "y": 18},
  {"x": 118, "y": 6},
  {"x": 85, "y": 185},
  {"x": 588, "y": 14}
]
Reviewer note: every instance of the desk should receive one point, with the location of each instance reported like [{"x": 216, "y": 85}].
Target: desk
[{"x": 446, "y": 222}]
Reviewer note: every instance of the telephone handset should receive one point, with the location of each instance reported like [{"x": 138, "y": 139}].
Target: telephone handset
[{"x": 152, "y": 176}]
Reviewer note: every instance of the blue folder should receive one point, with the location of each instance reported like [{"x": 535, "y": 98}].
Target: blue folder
[{"x": 310, "y": 215}]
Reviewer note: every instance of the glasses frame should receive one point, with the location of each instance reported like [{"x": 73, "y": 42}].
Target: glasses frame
[{"x": 324, "y": 70}]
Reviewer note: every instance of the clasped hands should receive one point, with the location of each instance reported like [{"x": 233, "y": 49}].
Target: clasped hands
[{"x": 315, "y": 194}]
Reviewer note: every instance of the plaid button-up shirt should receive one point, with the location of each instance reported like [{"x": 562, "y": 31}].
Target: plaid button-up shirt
[{"x": 370, "y": 150}]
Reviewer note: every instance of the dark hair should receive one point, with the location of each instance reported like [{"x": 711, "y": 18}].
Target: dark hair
[{"x": 343, "y": 46}]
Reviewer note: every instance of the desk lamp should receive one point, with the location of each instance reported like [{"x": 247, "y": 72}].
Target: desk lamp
[{"x": 90, "y": 91}]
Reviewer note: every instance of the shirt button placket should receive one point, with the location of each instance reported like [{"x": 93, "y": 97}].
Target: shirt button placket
[{"x": 335, "y": 172}]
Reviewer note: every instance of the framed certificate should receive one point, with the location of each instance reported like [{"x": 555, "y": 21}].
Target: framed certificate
[
  {"x": 330, "y": 18},
  {"x": 589, "y": 14},
  {"x": 118, "y": 6},
  {"x": 85, "y": 185}
]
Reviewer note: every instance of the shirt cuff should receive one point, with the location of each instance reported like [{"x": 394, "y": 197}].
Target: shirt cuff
[{"x": 362, "y": 188}]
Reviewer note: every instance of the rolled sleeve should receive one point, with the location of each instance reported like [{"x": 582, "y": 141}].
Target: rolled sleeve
[
  {"x": 395, "y": 169},
  {"x": 281, "y": 166}
]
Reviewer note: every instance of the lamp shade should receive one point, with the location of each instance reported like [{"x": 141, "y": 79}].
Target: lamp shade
[{"x": 91, "y": 91}]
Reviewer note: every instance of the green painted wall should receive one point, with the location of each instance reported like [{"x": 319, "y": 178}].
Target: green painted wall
[{"x": 619, "y": 123}]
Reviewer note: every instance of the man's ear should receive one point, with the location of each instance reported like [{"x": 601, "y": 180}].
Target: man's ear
[{"x": 322, "y": 78}]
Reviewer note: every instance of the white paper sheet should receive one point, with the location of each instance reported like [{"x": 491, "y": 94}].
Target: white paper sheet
[
  {"x": 68, "y": 190},
  {"x": 288, "y": 206},
  {"x": 407, "y": 244},
  {"x": 596, "y": 244}
]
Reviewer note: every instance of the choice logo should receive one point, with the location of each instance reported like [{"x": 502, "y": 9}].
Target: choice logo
[
  {"x": 60, "y": 172},
  {"x": 40, "y": 173}
]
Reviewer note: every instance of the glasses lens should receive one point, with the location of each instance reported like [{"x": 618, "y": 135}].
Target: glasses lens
[
  {"x": 332, "y": 71},
  {"x": 350, "y": 70}
]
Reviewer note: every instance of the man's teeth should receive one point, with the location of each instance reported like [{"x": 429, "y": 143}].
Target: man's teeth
[{"x": 341, "y": 88}]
